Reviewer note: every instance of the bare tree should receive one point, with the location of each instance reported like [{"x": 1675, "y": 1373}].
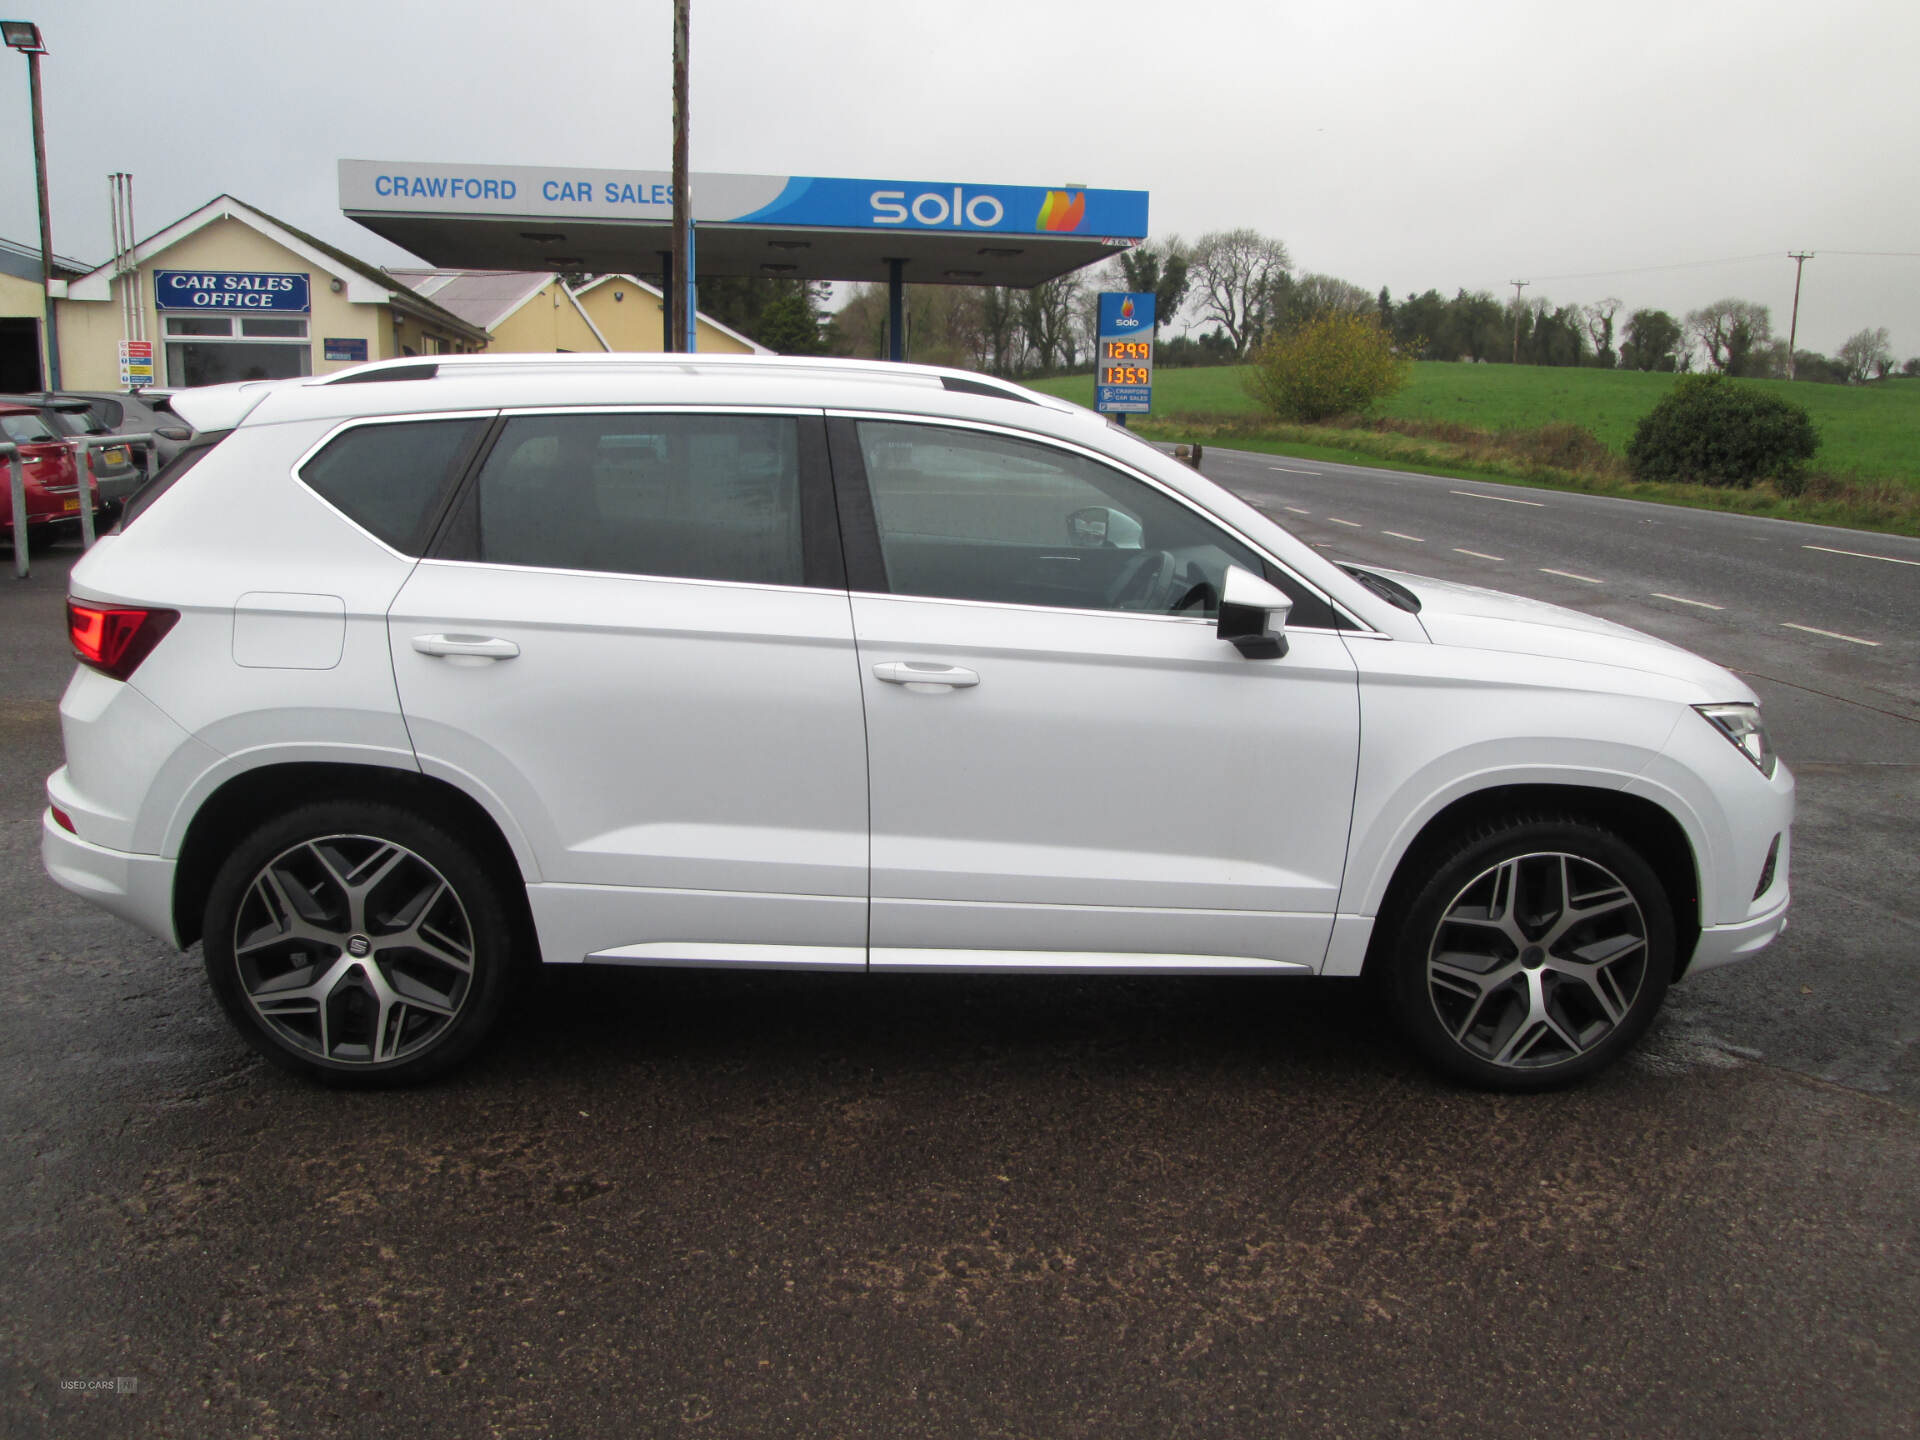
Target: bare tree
[
  {"x": 1047, "y": 314},
  {"x": 1237, "y": 278},
  {"x": 1000, "y": 328},
  {"x": 1868, "y": 353},
  {"x": 1599, "y": 321},
  {"x": 1734, "y": 333}
]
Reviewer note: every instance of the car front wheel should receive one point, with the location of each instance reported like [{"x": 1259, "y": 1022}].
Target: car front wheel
[
  {"x": 1536, "y": 953},
  {"x": 358, "y": 944}
]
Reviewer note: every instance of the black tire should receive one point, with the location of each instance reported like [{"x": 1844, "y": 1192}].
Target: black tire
[
  {"x": 1490, "y": 984},
  {"x": 335, "y": 937}
]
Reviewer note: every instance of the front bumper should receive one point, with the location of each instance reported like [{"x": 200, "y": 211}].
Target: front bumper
[
  {"x": 1720, "y": 944},
  {"x": 138, "y": 888}
]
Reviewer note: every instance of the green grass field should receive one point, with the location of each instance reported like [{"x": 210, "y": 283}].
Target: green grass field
[{"x": 1867, "y": 430}]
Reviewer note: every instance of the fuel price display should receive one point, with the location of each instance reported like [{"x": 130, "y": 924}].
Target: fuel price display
[{"x": 1123, "y": 355}]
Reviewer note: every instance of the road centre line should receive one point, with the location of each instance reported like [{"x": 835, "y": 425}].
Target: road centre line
[
  {"x": 1285, "y": 470},
  {"x": 1831, "y": 634},
  {"x": 1861, "y": 555},
  {"x": 1335, "y": 519},
  {"x": 1503, "y": 499},
  {"x": 1295, "y": 510},
  {"x": 1398, "y": 536},
  {"x": 1479, "y": 554},
  {"x": 1682, "y": 600},
  {"x": 1569, "y": 575}
]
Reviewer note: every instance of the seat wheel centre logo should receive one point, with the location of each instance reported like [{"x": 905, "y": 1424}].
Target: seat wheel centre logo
[{"x": 359, "y": 947}]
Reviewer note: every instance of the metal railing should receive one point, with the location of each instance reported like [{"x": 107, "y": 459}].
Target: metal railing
[{"x": 84, "y": 446}]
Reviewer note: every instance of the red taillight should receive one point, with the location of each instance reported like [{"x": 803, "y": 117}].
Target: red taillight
[
  {"x": 114, "y": 639},
  {"x": 63, "y": 820}
]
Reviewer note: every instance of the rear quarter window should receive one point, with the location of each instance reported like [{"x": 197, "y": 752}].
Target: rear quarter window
[
  {"x": 389, "y": 476},
  {"x": 25, "y": 429}
]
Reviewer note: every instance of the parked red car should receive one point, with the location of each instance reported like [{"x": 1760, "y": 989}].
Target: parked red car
[{"x": 52, "y": 479}]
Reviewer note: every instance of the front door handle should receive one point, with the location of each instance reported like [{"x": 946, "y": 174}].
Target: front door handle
[
  {"x": 913, "y": 674},
  {"x": 484, "y": 647}
]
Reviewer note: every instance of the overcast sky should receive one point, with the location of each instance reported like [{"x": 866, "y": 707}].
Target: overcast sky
[{"x": 1682, "y": 147}]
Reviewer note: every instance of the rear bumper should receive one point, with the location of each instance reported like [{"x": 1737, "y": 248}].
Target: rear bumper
[
  {"x": 1721, "y": 944},
  {"x": 138, "y": 888}
]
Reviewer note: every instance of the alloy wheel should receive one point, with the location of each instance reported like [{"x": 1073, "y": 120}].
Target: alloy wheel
[
  {"x": 1537, "y": 960},
  {"x": 354, "y": 950}
]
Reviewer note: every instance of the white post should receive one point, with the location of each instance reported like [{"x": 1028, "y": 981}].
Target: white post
[
  {"x": 19, "y": 488},
  {"x": 85, "y": 469}
]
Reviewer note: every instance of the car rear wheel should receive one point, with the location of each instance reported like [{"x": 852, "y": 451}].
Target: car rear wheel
[
  {"x": 358, "y": 944},
  {"x": 1536, "y": 953}
]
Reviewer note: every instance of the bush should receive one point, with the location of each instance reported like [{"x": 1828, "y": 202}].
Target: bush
[
  {"x": 1335, "y": 365},
  {"x": 1713, "y": 431}
]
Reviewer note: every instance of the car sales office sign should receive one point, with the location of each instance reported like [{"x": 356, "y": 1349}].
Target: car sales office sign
[
  {"x": 1123, "y": 357},
  {"x": 249, "y": 290}
]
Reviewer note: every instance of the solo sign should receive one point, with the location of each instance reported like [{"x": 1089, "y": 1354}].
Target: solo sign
[
  {"x": 1123, "y": 355},
  {"x": 230, "y": 290}
]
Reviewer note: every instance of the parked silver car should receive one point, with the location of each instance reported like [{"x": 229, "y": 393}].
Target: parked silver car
[{"x": 141, "y": 412}]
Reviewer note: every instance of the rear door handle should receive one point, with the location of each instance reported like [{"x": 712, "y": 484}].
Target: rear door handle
[
  {"x": 485, "y": 647},
  {"x": 913, "y": 673}
]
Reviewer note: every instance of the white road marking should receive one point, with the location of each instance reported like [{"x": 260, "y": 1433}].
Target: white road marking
[
  {"x": 1284, "y": 470},
  {"x": 1323, "y": 544},
  {"x": 1503, "y": 499},
  {"x": 1861, "y": 555},
  {"x": 1338, "y": 521},
  {"x": 1569, "y": 575},
  {"x": 1682, "y": 600},
  {"x": 1478, "y": 554},
  {"x": 1831, "y": 634},
  {"x": 1296, "y": 510},
  {"x": 1398, "y": 536}
]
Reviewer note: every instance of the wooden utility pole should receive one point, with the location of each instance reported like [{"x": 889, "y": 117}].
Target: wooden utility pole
[
  {"x": 1518, "y": 286},
  {"x": 1799, "y": 258},
  {"x": 682, "y": 206}
]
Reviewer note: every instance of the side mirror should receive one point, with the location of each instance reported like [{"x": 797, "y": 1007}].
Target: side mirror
[
  {"x": 1099, "y": 527},
  {"x": 1253, "y": 615}
]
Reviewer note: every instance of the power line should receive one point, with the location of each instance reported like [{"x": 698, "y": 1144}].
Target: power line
[{"x": 1677, "y": 265}]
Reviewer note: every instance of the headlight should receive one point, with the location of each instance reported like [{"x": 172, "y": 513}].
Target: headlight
[{"x": 1742, "y": 725}]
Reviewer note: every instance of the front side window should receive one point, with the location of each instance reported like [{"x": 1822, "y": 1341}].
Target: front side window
[
  {"x": 707, "y": 497},
  {"x": 387, "y": 476},
  {"x": 973, "y": 516}
]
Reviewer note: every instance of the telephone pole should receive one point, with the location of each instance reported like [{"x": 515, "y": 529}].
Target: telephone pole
[
  {"x": 1799, "y": 258},
  {"x": 1518, "y": 286}
]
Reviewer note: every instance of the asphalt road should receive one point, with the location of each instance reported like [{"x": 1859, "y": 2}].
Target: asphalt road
[{"x": 673, "y": 1203}]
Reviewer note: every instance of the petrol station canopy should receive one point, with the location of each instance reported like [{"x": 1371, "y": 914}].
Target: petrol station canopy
[{"x": 516, "y": 217}]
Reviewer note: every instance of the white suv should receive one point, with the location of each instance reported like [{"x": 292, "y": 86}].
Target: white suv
[{"x": 403, "y": 675}]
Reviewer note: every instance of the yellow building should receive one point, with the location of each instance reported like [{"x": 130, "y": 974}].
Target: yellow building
[
  {"x": 627, "y": 311},
  {"x": 536, "y": 311},
  {"x": 23, "y": 315},
  {"x": 231, "y": 293}
]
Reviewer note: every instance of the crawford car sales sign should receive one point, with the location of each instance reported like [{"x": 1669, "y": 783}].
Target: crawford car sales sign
[{"x": 230, "y": 290}]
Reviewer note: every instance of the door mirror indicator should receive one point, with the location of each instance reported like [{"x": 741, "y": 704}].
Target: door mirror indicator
[
  {"x": 1253, "y": 615},
  {"x": 1101, "y": 527}
]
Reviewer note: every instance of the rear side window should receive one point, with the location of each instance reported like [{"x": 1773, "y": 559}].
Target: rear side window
[
  {"x": 388, "y": 477},
  {"x": 25, "y": 429},
  {"x": 706, "y": 497}
]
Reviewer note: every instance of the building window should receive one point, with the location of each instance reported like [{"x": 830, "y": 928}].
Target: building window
[{"x": 257, "y": 348}]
